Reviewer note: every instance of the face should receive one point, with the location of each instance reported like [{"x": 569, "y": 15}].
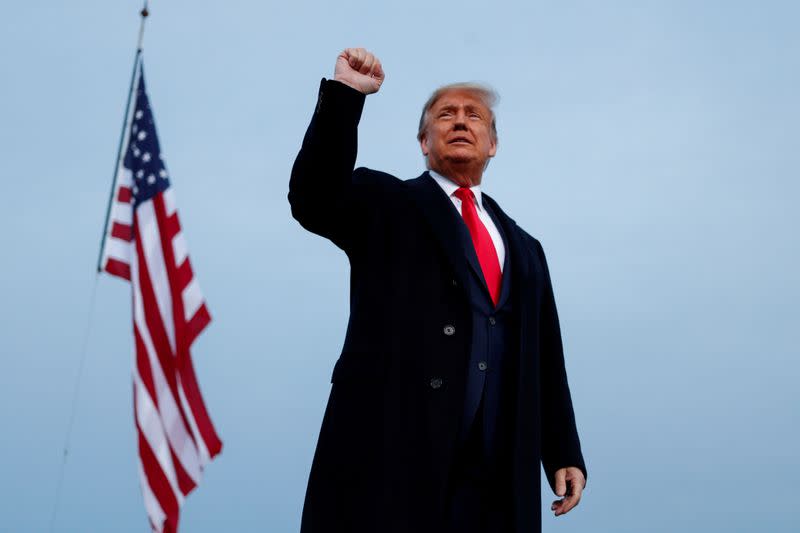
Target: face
[{"x": 458, "y": 132}]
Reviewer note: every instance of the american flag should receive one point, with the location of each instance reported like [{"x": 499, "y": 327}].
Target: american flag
[{"x": 144, "y": 244}]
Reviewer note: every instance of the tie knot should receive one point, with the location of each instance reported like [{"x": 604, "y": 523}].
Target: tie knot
[{"x": 464, "y": 194}]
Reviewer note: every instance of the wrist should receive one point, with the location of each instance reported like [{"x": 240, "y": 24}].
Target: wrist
[{"x": 349, "y": 83}]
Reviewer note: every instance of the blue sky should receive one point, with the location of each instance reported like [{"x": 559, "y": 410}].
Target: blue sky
[{"x": 651, "y": 146}]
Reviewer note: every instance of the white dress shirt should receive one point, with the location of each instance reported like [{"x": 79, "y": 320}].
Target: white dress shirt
[{"x": 450, "y": 188}]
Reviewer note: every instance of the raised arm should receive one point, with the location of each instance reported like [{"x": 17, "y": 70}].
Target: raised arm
[{"x": 321, "y": 190}]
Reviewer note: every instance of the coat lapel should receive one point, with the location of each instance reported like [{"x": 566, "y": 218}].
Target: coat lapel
[
  {"x": 472, "y": 259},
  {"x": 444, "y": 222},
  {"x": 508, "y": 271},
  {"x": 516, "y": 252}
]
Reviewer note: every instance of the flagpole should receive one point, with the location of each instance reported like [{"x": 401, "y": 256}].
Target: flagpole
[
  {"x": 59, "y": 482},
  {"x": 144, "y": 13}
]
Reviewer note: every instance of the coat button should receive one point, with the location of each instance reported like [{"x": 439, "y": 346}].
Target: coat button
[
  {"x": 492, "y": 320},
  {"x": 449, "y": 330},
  {"x": 436, "y": 383},
  {"x": 482, "y": 365},
  {"x": 454, "y": 282}
]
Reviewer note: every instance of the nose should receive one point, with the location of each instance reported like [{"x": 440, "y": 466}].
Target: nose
[{"x": 460, "y": 122}]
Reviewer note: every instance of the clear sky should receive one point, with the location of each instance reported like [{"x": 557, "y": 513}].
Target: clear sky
[{"x": 652, "y": 146}]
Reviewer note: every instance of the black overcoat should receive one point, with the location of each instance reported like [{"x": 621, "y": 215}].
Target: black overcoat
[{"x": 390, "y": 429}]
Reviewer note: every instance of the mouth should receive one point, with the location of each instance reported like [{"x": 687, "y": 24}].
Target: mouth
[{"x": 459, "y": 140}]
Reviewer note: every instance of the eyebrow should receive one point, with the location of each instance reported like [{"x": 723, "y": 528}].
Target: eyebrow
[{"x": 452, "y": 107}]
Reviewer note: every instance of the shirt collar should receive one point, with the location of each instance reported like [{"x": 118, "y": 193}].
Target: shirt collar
[{"x": 450, "y": 187}]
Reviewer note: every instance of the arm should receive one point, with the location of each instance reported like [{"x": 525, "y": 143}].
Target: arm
[
  {"x": 322, "y": 191},
  {"x": 561, "y": 448}
]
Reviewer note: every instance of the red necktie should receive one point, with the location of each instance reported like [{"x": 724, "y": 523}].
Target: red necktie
[{"x": 484, "y": 246}]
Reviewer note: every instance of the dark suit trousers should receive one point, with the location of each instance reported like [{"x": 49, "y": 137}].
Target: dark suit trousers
[{"x": 480, "y": 498}]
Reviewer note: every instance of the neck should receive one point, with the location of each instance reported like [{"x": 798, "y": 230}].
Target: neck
[{"x": 465, "y": 176}]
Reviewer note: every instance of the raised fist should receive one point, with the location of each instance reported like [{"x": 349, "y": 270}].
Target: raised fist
[{"x": 359, "y": 69}]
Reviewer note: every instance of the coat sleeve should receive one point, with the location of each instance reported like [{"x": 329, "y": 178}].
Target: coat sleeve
[
  {"x": 323, "y": 191},
  {"x": 560, "y": 443}
]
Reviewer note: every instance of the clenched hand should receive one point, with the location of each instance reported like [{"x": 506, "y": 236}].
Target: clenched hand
[{"x": 359, "y": 69}]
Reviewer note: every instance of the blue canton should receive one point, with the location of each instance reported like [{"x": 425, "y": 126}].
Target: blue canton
[{"x": 143, "y": 157}]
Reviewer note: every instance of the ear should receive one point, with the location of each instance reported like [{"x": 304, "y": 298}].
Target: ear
[
  {"x": 423, "y": 144},
  {"x": 492, "y": 147}
]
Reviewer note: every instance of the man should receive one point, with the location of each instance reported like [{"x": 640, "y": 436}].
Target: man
[{"x": 451, "y": 387}]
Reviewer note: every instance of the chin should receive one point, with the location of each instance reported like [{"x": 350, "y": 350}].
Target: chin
[{"x": 458, "y": 159}]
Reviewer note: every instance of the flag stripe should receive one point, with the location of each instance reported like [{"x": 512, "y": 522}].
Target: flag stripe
[
  {"x": 143, "y": 364},
  {"x": 122, "y": 231},
  {"x": 180, "y": 249},
  {"x": 118, "y": 268},
  {"x": 197, "y": 324},
  {"x": 184, "y": 274},
  {"x": 185, "y": 482},
  {"x": 192, "y": 299},
  {"x": 118, "y": 249},
  {"x": 202, "y": 449},
  {"x": 122, "y": 213},
  {"x": 124, "y": 195},
  {"x": 195, "y": 400}
]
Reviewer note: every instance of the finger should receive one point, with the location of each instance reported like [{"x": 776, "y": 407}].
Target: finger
[
  {"x": 377, "y": 70},
  {"x": 575, "y": 483},
  {"x": 577, "y": 487},
  {"x": 573, "y": 497},
  {"x": 561, "y": 482},
  {"x": 577, "y": 476},
  {"x": 353, "y": 61},
  {"x": 568, "y": 506},
  {"x": 369, "y": 62},
  {"x": 356, "y": 57},
  {"x": 570, "y": 503},
  {"x": 350, "y": 56},
  {"x": 557, "y": 507}
]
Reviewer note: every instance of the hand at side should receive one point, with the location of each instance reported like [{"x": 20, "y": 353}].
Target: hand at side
[{"x": 569, "y": 484}]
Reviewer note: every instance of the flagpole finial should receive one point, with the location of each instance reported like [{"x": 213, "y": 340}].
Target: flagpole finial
[{"x": 144, "y": 13}]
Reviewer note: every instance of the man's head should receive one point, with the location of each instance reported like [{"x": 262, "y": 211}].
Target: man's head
[{"x": 457, "y": 131}]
